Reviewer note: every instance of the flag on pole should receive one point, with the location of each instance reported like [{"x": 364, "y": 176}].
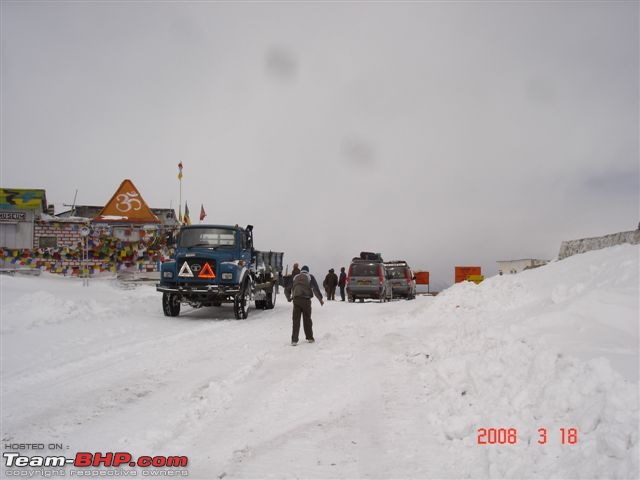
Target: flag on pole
[
  {"x": 202, "y": 212},
  {"x": 180, "y": 201},
  {"x": 187, "y": 220}
]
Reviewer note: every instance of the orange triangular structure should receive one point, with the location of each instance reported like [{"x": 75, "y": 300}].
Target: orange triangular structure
[
  {"x": 126, "y": 206},
  {"x": 206, "y": 272}
]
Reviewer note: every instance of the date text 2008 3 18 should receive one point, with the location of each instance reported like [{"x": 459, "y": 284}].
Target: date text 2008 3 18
[{"x": 509, "y": 436}]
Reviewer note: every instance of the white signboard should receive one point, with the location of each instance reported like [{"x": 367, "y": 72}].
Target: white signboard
[{"x": 13, "y": 217}]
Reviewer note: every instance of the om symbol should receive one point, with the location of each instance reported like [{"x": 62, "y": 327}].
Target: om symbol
[{"x": 127, "y": 201}]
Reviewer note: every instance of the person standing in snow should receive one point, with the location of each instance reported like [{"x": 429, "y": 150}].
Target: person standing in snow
[
  {"x": 288, "y": 281},
  {"x": 342, "y": 282},
  {"x": 295, "y": 270},
  {"x": 304, "y": 288},
  {"x": 330, "y": 283}
]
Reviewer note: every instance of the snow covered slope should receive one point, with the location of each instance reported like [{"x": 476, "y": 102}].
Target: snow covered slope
[{"x": 397, "y": 390}]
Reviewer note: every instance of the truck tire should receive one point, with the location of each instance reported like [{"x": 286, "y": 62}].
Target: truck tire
[
  {"x": 240, "y": 302},
  {"x": 270, "y": 301},
  {"x": 170, "y": 304}
]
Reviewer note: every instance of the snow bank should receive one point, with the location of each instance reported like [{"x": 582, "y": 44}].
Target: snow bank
[
  {"x": 585, "y": 305},
  {"x": 555, "y": 347}
]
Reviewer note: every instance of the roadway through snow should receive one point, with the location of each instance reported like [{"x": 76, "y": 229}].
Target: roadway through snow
[{"x": 107, "y": 371}]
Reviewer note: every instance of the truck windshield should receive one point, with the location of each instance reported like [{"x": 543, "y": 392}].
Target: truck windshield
[{"x": 207, "y": 237}]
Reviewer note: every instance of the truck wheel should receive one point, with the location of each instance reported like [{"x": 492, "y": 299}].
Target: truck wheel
[
  {"x": 170, "y": 304},
  {"x": 260, "y": 304},
  {"x": 270, "y": 301},
  {"x": 240, "y": 302}
]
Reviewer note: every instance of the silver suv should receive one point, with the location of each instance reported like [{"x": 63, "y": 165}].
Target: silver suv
[
  {"x": 367, "y": 278},
  {"x": 402, "y": 280}
]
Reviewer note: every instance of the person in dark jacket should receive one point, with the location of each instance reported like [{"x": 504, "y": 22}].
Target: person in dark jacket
[
  {"x": 342, "y": 282},
  {"x": 330, "y": 283},
  {"x": 304, "y": 288}
]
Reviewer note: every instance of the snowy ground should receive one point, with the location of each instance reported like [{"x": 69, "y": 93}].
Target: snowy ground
[{"x": 397, "y": 390}]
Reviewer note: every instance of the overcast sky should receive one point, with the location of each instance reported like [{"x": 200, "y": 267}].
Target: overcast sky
[{"x": 444, "y": 133}]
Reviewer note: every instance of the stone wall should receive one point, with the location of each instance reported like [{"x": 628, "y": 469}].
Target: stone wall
[
  {"x": 67, "y": 234},
  {"x": 572, "y": 247}
]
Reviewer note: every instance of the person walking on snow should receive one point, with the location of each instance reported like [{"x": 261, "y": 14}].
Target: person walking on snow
[
  {"x": 304, "y": 288},
  {"x": 330, "y": 283},
  {"x": 342, "y": 282}
]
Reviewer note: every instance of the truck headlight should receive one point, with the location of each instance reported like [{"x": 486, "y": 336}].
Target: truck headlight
[
  {"x": 227, "y": 276},
  {"x": 167, "y": 274}
]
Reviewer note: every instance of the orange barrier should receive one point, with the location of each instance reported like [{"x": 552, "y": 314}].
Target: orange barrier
[
  {"x": 422, "y": 278},
  {"x": 462, "y": 273}
]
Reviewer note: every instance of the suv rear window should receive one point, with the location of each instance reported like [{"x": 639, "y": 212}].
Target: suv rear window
[
  {"x": 397, "y": 272},
  {"x": 364, "y": 270}
]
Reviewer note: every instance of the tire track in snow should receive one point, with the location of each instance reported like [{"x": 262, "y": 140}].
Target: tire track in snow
[{"x": 90, "y": 365}]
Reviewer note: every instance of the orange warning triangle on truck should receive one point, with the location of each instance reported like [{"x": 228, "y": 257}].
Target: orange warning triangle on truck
[
  {"x": 126, "y": 206},
  {"x": 206, "y": 272}
]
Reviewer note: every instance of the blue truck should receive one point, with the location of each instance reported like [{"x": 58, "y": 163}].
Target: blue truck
[{"x": 216, "y": 264}]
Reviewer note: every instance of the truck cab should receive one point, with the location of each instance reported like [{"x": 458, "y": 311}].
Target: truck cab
[{"x": 215, "y": 264}]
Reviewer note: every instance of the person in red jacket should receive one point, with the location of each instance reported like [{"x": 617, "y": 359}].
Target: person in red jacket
[{"x": 342, "y": 282}]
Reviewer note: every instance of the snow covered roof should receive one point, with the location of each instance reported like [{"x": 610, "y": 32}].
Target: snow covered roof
[
  {"x": 53, "y": 219},
  {"x": 166, "y": 216},
  {"x": 523, "y": 260}
]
